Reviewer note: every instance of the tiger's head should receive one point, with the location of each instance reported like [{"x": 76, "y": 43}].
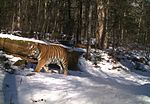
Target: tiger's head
[{"x": 33, "y": 50}]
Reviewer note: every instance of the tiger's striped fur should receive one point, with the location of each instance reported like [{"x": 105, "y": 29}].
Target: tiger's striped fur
[{"x": 52, "y": 54}]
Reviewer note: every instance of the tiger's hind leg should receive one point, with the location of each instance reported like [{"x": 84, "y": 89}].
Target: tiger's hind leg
[
  {"x": 66, "y": 71},
  {"x": 63, "y": 68},
  {"x": 60, "y": 71}
]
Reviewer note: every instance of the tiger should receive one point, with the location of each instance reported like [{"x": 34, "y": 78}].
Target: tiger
[
  {"x": 45, "y": 54},
  {"x": 51, "y": 54}
]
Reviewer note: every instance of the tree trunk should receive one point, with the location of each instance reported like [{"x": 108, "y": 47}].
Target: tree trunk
[
  {"x": 79, "y": 28},
  {"x": 101, "y": 26},
  {"x": 88, "y": 15},
  {"x": 69, "y": 19}
]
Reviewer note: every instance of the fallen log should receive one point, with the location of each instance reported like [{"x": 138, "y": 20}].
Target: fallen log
[{"x": 18, "y": 47}]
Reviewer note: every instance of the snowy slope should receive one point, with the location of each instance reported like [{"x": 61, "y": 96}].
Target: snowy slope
[
  {"x": 91, "y": 86},
  {"x": 108, "y": 82}
]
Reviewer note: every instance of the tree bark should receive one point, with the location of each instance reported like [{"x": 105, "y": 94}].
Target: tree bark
[{"x": 101, "y": 26}]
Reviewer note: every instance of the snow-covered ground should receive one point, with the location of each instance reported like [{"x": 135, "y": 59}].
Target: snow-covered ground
[
  {"x": 108, "y": 82},
  {"x": 93, "y": 85}
]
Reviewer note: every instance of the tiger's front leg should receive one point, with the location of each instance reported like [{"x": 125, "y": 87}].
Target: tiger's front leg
[
  {"x": 46, "y": 68},
  {"x": 39, "y": 66}
]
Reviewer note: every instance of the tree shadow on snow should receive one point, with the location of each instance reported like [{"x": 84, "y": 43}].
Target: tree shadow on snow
[
  {"x": 123, "y": 84},
  {"x": 10, "y": 89}
]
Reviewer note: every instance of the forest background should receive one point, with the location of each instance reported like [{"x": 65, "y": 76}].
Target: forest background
[{"x": 112, "y": 23}]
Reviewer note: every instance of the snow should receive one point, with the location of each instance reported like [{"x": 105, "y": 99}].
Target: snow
[
  {"x": 108, "y": 82},
  {"x": 13, "y": 37},
  {"x": 91, "y": 86}
]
